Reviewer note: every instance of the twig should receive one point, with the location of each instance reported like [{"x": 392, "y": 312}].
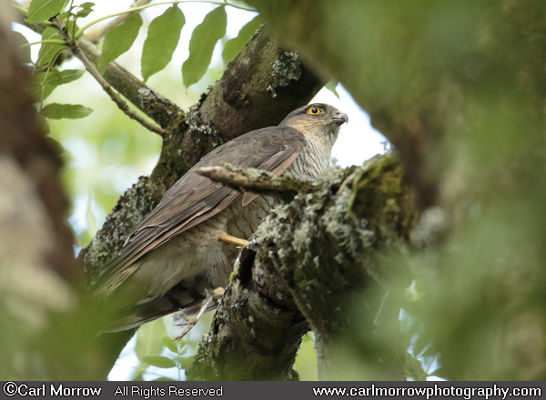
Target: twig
[
  {"x": 96, "y": 34},
  {"x": 257, "y": 181},
  {"x": 92, "y": 69}
]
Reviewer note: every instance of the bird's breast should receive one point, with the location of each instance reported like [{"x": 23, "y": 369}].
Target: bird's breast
[{"x": 311, "y": 161}]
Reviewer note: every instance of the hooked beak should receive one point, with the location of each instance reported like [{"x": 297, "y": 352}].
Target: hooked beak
[{"x": 340, "y": 118}]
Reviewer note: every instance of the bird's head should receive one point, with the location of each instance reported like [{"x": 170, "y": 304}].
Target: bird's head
[{"x": 318, "y": 120}]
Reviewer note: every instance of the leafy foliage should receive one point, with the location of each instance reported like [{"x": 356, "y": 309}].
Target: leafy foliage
[
  {"x": 90, "y": 217},
  {"x": 159, "y": 361},
  {"x": 457, "y": 72},
  {"x": 42, "y": 10},
  {"x": 57, "y": 111},
  {"x": 156, "y": 349},
  {"x": 306, "y": 361},
  {"x": 202, "y": 43},
  {"x": 49, "y": 51},
  {"x": 85, "y": 9},
  {"x": 162, "y": 39},
  {"x": 119, "y": 39},
  {"x": 45, "y": 82}
]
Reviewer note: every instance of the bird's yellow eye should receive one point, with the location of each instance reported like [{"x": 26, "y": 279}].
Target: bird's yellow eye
[{"x": 314, "y": 110}]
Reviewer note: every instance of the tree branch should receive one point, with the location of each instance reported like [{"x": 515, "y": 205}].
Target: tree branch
[
  {"x": 157, "y": 107},
  {"x": 258, "y": 181},
  {"x": 301, "y": 270},
  {"x": 116, "y": 98},
  {"x": 256, "y": 331}
]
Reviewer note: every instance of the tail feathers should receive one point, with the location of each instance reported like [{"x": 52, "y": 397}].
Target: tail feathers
[
  {"x": 113, "y": 281},
  {"x": 176, "y": 299}
]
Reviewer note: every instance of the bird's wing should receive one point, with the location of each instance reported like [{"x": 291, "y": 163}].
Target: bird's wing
[{"x": 194, "y": 198}]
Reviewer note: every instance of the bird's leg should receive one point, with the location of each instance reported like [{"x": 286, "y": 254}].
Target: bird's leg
[
  {"x": 211, "y": 295},
  {"x": 225, "y": 237}
]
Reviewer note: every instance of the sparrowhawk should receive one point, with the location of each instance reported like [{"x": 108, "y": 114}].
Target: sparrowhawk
[{"x": 176, "y": 254}]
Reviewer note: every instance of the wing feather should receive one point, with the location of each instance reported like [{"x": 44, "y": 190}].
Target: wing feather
[{"x": 194, "y": 198}]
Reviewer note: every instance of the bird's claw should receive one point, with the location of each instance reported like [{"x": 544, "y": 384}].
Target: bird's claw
[{"x": 189, "y": 323}]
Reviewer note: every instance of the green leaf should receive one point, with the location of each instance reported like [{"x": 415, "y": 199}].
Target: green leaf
[
  {"x": 186, "y": 362},
  {"x": 58, "y": 111},
  {"x": 42, "y": 10},
  {"x": 23, "y": 49},
  {"x": 159, "y": 361},
  {"x": 235, "y": 45},
  {"x": 56, "y": 77},
  {"x": 119, "y": 39},
  {"x": 202, "y": 42},
  {"x": 148, "y": 339},
  {"x": 45, "y": 82},
  {"x": 170, "y": 344},
  {"x": 49, "y": 51},
  {"x": 85, "y": 9},
  {"x": 331, "y": 86},
  {"x": 162, "y": 39}
]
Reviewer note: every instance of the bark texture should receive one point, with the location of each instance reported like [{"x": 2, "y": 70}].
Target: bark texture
[{"x": 306, "y": 262}]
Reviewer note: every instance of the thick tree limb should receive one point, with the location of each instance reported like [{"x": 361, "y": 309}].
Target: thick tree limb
[
  {"x": 256, "y": 331},
  {"x": 258, "y": 88},
  {"x": 306, "y": 261}
]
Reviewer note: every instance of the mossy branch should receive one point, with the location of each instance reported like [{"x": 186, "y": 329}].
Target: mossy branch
[
  {"x": 258, "y": 181},
  {"x": 300, "y": 272}
]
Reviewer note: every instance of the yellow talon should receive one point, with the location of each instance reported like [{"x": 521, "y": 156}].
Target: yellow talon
[{"x": 224, "y": 237}]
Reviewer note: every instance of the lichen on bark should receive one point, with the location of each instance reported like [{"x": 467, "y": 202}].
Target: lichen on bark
[
  {"x": 131, "y": 208},
  {"x": 305, "y": 261}
]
